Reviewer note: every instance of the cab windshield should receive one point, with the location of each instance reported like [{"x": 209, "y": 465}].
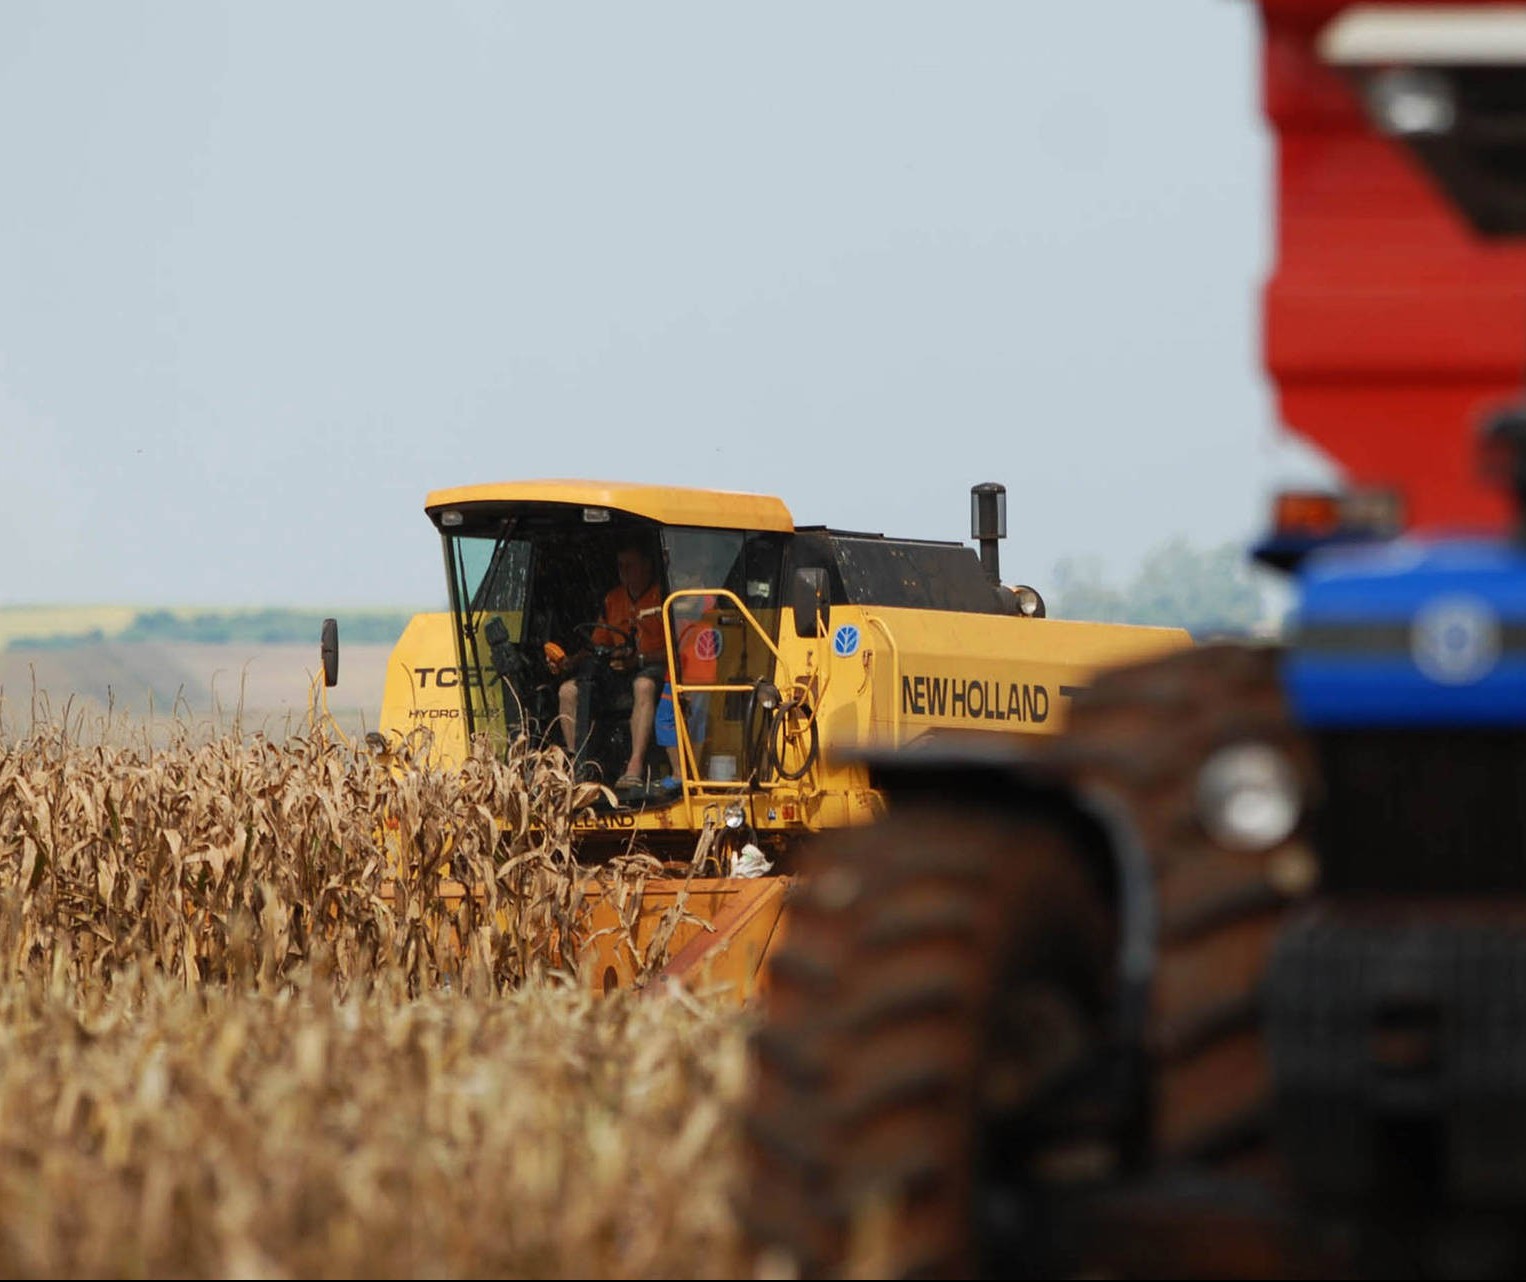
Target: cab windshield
[{"x": 530, "y": 586}]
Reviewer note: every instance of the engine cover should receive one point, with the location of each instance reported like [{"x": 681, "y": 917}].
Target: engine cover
[{"x": 1411, "y": 634}]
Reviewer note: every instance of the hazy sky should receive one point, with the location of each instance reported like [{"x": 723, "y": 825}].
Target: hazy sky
[{"x": 269, "y": 272}]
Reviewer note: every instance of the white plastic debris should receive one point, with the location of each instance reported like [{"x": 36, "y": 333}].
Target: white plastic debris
[{"x": 749, "y": 862}]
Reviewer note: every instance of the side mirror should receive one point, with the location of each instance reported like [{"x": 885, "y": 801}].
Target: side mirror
[
  {"x": 809, "y": 599},
  {"x": 328, "y": 647}
]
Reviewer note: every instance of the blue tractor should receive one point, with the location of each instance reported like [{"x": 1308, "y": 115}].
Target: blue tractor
[{"x": 1230, "y": 979}]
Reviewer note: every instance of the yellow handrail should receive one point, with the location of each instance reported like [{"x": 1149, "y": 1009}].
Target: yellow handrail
[{"x": 687, "y": 757}]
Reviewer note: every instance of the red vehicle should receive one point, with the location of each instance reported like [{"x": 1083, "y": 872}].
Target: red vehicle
[{"x": 1394, "y": 318}]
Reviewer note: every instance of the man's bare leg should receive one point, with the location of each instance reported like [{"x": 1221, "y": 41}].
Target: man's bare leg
[
  {"x": 643, "y": 716},
  {"x": 567, "y": 696}
]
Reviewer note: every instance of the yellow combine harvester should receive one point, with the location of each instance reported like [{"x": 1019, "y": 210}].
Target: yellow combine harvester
[{"x": 785, "y": 654}]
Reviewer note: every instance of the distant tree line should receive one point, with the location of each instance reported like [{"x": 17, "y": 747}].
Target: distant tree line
[
  {"x": 1210, "y": 592},
  {"x": 236, "y": 627}
]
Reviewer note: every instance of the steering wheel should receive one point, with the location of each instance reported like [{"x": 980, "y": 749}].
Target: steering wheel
[{"x": 585, "y": 632}]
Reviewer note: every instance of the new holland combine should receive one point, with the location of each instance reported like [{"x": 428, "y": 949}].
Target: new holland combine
[
  {"x": 1229, "y": 984},
  {"x": 788, "y": 652}
]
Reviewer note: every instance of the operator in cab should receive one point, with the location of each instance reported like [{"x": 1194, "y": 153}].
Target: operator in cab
[{"x": 631, "y": 621}]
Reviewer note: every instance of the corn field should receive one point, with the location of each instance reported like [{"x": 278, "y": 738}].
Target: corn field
[{"x": 245, "y": 1033}]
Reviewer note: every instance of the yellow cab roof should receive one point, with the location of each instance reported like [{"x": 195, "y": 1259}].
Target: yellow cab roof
[{"x": 668, "y": 504}]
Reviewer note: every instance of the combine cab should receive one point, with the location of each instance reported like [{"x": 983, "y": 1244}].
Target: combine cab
[{"x": 788, "y": 651}]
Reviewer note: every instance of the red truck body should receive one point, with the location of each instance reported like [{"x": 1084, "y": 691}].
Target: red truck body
[{"x": 1390, "y": 324}]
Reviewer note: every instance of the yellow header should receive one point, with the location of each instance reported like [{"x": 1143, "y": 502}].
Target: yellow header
[{"x": 669, "y": 504}]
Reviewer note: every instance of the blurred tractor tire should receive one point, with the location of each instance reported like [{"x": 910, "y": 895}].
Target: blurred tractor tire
[
  {"x": 946, "y": 974},
  {"x": 1140, "y": 735}
]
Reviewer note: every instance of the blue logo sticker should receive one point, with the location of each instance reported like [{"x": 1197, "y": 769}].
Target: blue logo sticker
[
  {"x": 845, "y": 640},
  {"x": 1456, "y": 640}
]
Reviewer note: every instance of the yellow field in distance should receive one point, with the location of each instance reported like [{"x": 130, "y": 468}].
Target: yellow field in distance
[{"x": 44, "y": 621}]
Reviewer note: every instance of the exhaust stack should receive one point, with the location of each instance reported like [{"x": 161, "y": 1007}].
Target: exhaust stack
[{"x": 988, "y": 523}]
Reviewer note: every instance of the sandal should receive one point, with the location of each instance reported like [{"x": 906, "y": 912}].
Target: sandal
[{"x": 626, "y": 782}]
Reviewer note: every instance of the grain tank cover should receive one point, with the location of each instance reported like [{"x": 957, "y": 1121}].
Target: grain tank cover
[
  {"x": 1409, "y": 634},
  {"x": 912, "y": 574}
]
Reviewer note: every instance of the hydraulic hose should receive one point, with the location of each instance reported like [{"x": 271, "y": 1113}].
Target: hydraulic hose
[{"x": 778, "y": 734}]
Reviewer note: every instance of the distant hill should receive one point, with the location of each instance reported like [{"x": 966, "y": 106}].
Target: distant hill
[
  {"x": 59, "y": 627},
  {"x": 32, "y": 621},
  {"x": 264, "y": 686},
  {"x": 201, "y": 664}
]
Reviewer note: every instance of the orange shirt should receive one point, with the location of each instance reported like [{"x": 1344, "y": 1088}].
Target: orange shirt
[
  {"x": 699, "y": 645},
  {"x": 641, "y": 617}
]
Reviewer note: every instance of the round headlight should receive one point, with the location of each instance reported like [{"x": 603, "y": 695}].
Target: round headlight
[
  {"x": 735, "y": 815},
  {"x": 1248, "y": 797},
  {"x": 1029, "y": 603}
]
